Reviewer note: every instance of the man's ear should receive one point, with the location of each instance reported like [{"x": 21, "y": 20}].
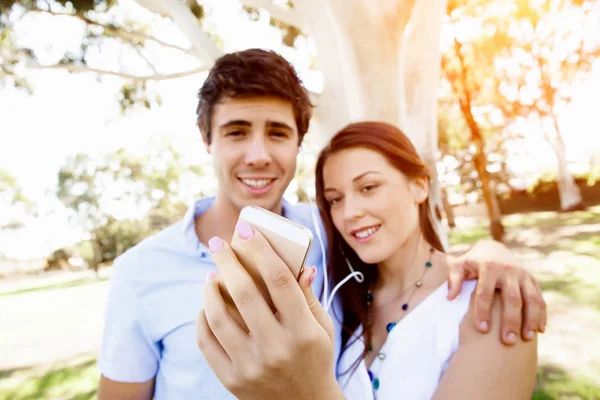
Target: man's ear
[
  {"x": 204, "y": 134},
  {"x": 419, "y": 187}
]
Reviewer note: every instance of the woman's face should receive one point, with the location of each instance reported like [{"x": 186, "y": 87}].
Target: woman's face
[{"x": 373, "y": 205}]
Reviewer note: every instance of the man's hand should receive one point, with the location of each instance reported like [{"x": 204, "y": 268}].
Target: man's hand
[
  {"x": 284, "y": 355},
  {"x": 496, "y": 267}
]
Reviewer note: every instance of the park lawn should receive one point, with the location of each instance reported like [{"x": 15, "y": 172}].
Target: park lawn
[
  {"x": 56, "y": 286},
  {"x": 78, "y": 380}
]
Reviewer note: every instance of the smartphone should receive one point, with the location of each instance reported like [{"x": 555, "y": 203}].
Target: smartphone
[{"x": 290, "y": 241}]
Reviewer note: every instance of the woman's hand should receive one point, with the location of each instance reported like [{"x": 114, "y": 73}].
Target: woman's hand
[{"x": 284, "y": 355}]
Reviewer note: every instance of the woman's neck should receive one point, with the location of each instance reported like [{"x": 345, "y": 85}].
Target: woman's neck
[{"x": 405, "y": 266}]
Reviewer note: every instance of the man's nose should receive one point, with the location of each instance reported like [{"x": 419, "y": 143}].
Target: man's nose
[{"x": 257, "y": 153}]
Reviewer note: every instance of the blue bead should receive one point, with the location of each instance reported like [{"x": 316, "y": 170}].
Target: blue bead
[
  {"x": 428, "y": 264},
  {"x": 371, "y": 375},
  {"x": 375, "y": 383},
  {"x": 390, "y": 326},
  {"x": 369, "y": 297},
  {"x": 405, "y": 306}
]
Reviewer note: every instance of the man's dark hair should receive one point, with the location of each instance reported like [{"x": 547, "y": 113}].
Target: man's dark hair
[{"x": 251, "y": 73}]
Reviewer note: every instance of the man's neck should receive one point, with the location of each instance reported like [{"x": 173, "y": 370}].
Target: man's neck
[{"x": 220, "y": 219}]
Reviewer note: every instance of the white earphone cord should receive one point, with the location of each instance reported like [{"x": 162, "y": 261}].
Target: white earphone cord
[{"x": 327, "y": 300}]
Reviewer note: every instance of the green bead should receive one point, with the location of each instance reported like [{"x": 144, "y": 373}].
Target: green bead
[{"x": 375, "y": 383}]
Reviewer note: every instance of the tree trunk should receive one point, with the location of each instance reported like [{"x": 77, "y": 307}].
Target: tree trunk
[
  {"x": 480, "y": 161},
  {"x": 489, "y": 193},
  {"x": 435, "y": 202},
  {"x": 97, "y": 248},
  {"x": 569, "y": 192},
  {"x": 448, "y": 210},
  {"x": 380, "y": 61}
]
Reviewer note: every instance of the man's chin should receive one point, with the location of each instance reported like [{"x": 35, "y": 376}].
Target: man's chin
[{"x": 267, "y": 202}]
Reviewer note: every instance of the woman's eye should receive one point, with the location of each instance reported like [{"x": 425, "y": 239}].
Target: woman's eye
[{"x": 368, "y": 188}]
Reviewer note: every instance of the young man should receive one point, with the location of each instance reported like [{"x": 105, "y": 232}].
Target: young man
[{"x": 253, "y": 113}]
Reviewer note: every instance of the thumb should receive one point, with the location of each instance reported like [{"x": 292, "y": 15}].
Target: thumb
[
  {"x": 455, "y": 278},
  {"x": 306, "y": 279}
]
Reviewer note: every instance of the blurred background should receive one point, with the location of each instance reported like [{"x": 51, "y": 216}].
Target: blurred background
[{"x": 99, "y": 149}]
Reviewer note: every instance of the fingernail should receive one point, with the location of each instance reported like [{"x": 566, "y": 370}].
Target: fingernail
[
  {"x": 312, "y": 277},
  {"x": 483, "y": 326},
  {"x": 511, "y": 337},
  {"x": 244, "y": 229},
  {"x": 210, "y": 275},
  {"x": 530, "y": 334},
  {"x": 215, "y": 244}
]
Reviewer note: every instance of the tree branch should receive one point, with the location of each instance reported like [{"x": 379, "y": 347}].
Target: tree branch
[
  {"x": 82, "y": 68},
  {"x": 117, "y": 32},
  {"x": 139, "y": 51},
  {"x": 203, "y": 47},
  {"x": 290, "y": 17}
]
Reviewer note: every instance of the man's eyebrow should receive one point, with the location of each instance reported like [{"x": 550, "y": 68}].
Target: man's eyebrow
[
  {"x": 235, "y": 122},
  {"x": 281, "y": 125}
]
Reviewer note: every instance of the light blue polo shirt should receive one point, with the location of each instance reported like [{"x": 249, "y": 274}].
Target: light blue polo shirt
[{"x": 154, "y": 299}]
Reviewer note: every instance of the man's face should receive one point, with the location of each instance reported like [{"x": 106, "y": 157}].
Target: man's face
[{"x": 254, "y": 144}]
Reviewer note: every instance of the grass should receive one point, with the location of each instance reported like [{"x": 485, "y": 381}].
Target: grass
[
  {"x": 554, "y": 383},
  {"x": 539, "y": 221},
  {"x": 552, "y": 219},
  {"x": 465, "y": 236},
  {"x": 78, "y": 380},
  {"x": 56, "y": 286},
  {"x": 75, "y": 379}
]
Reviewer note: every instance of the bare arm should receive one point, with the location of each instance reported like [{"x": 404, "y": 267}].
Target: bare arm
[
  {"x": 113, "y": 390},
  {"x": 483, "y": 368}
]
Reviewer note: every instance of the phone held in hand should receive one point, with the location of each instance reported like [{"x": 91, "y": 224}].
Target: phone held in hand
[{"x": 290, "y": 240}]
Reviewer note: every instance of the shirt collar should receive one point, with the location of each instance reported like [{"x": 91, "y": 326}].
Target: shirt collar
[{"x": 201, "y": 205}]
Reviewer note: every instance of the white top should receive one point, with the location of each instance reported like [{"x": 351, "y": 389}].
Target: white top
[{"x": 417, "y": 351}]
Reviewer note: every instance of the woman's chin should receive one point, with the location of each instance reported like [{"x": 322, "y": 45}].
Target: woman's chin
[{"x": 370, "y": 257}]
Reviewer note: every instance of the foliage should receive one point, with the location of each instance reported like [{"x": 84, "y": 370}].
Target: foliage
[
  {"x": 522, "y": 63},
  {"x": 59, "y": 259},
  {"x": 147, "y": 188},
  {"x": 289, "y": 32},
  {"x": 105, "y": 25},
  {"x": 13, "y": 202},
  {"x": 10, "y": 192},
  {"x": 110, "y": 32},
  {"x": 547, "y": 180}
]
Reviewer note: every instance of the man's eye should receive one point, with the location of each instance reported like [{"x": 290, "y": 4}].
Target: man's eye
[
  {"x": 279, "y": 134},
  {"x": 235, "y": 133}
]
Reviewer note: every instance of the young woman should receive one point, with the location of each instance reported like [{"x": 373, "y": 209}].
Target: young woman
[{"x": 402, "y": 338}]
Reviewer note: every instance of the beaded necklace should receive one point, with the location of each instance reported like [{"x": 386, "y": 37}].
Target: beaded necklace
[{"x": 390, "y": 325}]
